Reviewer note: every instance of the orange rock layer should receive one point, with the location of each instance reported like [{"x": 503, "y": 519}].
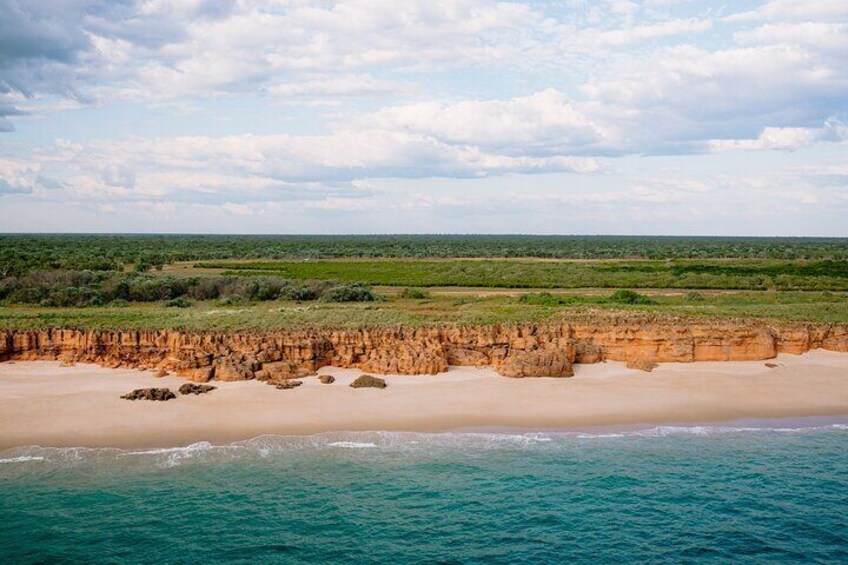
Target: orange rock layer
[{"x": 525, "y": 350}]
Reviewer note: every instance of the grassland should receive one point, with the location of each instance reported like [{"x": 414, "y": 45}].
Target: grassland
[
  {"x": 740, "y": 274},
  {"x": 272, "y": 282},
  {"x": 213, "y": 315}
]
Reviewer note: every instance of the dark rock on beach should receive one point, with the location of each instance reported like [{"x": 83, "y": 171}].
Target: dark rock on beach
[
  {"x": 191, "y": 388},
  {"x": 327, "y": 379},
  {"x": 367, "y": 381},
  {"x": 160, "y": 394},
  {"x": 286, "y": 385}
]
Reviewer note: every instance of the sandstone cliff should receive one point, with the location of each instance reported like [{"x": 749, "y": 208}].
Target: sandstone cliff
[{"x": 524, "y": 350}]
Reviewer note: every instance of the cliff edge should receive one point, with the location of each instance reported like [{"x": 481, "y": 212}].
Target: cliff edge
[{"x": 522, "y": 350}]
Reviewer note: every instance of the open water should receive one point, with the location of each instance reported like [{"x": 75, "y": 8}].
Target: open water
[{"x": 659, "y": 495}]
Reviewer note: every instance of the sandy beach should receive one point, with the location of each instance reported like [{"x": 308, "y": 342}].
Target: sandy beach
[{"x": 44, "y": 403}]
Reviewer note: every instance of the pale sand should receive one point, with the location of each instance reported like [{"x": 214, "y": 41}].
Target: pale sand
[{"x": 43, "y": 403}]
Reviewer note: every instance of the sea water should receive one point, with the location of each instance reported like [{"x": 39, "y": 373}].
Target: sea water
[{"x": 658, "y": 495}]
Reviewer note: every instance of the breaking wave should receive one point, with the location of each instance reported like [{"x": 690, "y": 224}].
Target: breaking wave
[{"x": 336, "y": 443}]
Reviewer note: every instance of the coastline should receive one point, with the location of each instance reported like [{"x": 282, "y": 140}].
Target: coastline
[{"x": 43, "y": 403}]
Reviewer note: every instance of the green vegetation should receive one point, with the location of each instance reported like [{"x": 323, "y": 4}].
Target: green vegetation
[
  {"x": 266, "y": 282},
  {"x": 350, "y": 293},
  {"x": 747, "y": 274},
  {"x": 179, "y": 302},
  {"x": 414, "y": 294},
  {"x": 87, "y": 288},
  {"x": 221, "y": 315},
  {"x": 20, "y": 254},
  {"x": 629, "y": 297},
  {"x": 618, "y": 297}
]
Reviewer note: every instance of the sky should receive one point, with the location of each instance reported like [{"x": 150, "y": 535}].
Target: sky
[{"x": 677, "y": 117}]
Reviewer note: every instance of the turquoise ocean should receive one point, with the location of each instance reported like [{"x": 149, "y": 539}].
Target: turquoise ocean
[{"x": 703, "y": 494}]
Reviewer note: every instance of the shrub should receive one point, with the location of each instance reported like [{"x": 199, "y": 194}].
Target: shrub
[
  {"x": 178, "y": 302},
  {"x": 300, "y": 293},
  {"x": 694, "y": 297},
  {"x": 540, "y": 299},
  {"x": 350, "y": 293},
  {"x": 544, "y": 299},
  {"x": 414, "y": 293},
  {"x": 629, "y": 297}
]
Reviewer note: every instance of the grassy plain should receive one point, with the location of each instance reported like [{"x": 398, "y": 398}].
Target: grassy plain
[
  {"x": 743, "y": 274},
  {"x": 822, "y": 307}
]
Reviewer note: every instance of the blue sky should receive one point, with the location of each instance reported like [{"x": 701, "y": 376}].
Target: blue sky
[{"x": 422, "y": 116}]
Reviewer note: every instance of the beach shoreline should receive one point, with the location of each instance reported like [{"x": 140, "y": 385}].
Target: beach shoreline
[{"x": 44, "y": 403}]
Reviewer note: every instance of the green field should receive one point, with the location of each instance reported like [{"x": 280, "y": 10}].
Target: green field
[
  {"x": 214, "y": 315},
  {"x": 743, "y": 274}
]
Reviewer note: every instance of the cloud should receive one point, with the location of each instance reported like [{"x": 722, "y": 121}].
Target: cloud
[
  {"x": 41, "y": 42},
  {"x": 684, "y": 94},
  {"x": 6, "y": 111},
  {"x": 785, "y": 138},
  {"x": 331, "y": 105},
  {"x": 247, "y": 167},
  {"x": 636, "y": 34},
  {"x": 253, "y": 44},
  {"x": 17, "y": 176},
  {"x": 332, "y": 88},
  {"x": 159, "y": 50},
  {"x": 544, "y": 123},
  {"x": 794, "y": 10}
]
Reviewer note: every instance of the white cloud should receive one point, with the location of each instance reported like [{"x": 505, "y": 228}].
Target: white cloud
[
  {"x": 544, "y": 123},
  {"x": 827, "y": 36},
  {"x": 684, "y": 94},
  {"x": 800, "y": 196},
  {"x": 795, "y": 10},
  {"x": 336, "y": 86},
  {"x": 241, "y": 168},
  {"x": 784, "y": 138},
  {"x": 18, "y": 176},
  {"x": 635, "y": 34},
  {"x": 237, "y": 209}
]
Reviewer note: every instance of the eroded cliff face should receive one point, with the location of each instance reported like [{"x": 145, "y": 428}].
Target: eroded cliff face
[{"x": 526, "y": 350}]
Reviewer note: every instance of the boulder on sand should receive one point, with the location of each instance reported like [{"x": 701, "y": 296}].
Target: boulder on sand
[
  {"x": 642, "y": 365},
  {"x": 327, "y": 379},
  {"x": 160, "y": 394},
  {"x": 287, "y": 385},
  {"x": 191, "y": 388},
  {"x": 367, "y": 381}
]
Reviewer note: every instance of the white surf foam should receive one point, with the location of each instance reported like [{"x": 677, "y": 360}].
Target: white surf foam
[
  {"x": 21, "y": 459},
  {"x": 405, "y": 442},
  {"x": 352, "y": 444}
]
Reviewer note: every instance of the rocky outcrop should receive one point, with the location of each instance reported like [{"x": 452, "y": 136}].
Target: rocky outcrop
[
  {"x": 521, "y": 350},
  {"x": 191, "y": 388},
  {"x": 642, "y": 365},
  {"x": 543, "y": 363},
  {"x": 158, "y": 394},
  {"x": 367, "y": 381}
]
